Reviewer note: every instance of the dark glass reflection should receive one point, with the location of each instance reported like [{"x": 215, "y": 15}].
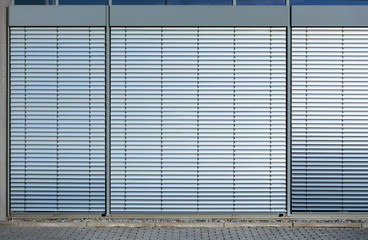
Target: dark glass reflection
[
  {"x": 199, "y": 2},
  {"x": 31, "y": 2},
  {"x": 329, "y": 2},
  {"x": 138, "y": 2},
  {"x": 260, "y": 2},
  {"x": 83, "y": 2}
]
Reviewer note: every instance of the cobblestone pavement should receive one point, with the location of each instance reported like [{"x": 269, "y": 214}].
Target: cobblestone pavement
[{"x": 48, "y": 233}]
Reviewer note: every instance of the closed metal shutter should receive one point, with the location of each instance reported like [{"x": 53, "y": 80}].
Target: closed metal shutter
[
  {"x": 198, "y": 119},
  {"x": 330, "y": 119},
  {"x": 57, "y": 118}
]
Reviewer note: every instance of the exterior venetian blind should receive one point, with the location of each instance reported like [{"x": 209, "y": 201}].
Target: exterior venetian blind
[
  {"x": 57, "y": 97},
  {"x": 330, "y": 119},
  {"x": 198, "y": 119}
]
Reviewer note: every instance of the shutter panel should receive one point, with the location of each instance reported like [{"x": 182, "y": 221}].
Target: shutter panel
[
  {"x": 136, "y": 121},
  {"x": 179, "y": 119},
  {"x": 57, "y": 117},
  {"x": 260, "y": 73},
  {"x": 330, "y": 120},
  {"x": 198, "y": 119}
]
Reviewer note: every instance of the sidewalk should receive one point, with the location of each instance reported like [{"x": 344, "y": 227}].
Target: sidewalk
[{"x": 183, "y": 233}]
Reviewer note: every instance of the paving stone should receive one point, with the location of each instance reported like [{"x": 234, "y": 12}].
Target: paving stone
[
  {"x": 333, "y": 225},
  {"x": 189, "y": 224},
  {"x": 258, "y": 224},
  {"x": 183, "y": 233}
]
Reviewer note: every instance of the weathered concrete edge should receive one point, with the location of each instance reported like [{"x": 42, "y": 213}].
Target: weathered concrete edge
[
  {"x": 52, "y": 224},
  {"x": 182, "y": 224},
  {"x": 9, "y": 224},
  {"x": 260, "y": 224}
]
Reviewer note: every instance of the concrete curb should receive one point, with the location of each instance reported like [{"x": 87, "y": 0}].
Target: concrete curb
[
  {"x": 184, "y": 224},
  {"x": 52, "y": 224},
  {"x": 327, "y": 225},
  {"x": 9, "y": 224},
  {"x": 120, "y": 224},
  {"x": 260, "y": 224}
]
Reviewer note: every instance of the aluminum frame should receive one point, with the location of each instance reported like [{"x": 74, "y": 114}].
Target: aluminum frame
[{"x": 8, "y": 124}]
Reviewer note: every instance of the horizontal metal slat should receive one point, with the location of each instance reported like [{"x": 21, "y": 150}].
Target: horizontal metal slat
[
  {"x": 51, "y": 70},
  {"x": 173, "y": 58},
  {"x": 328, "y": 100}
]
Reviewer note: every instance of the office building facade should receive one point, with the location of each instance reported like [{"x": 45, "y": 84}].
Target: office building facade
[{"x": 112, "y": 108}]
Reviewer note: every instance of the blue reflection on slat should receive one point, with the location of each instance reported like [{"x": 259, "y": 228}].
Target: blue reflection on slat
[
  {"x": 199, "y": 2},
  {"x": 138, "y": 2},
  {"x": 83, "y": 2},
  {"x": 329, "y": 2},
  {"x": 260, "y": 2},
  {"x": 30, "y": 2}
]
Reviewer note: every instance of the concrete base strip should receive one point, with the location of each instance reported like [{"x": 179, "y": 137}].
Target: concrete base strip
[
  {"x": 183, "y": 224},
  {"x": 327, "y": 225},
  {"x": 260, "y": 224},
  {"x": 9, "y": 224},
  {"x": 52, "y": 224}
]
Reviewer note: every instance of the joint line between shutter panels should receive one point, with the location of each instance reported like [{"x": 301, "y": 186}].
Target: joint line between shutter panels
[
  {"x": 234, "y": 135},
  {"x": 57, "y": 118},
  {"x": 197, "y": 119},
  {"x": 270, "y": 120},
  {"x": 125, "y": 118},
  {"x": 26, "y": 118},
  {"x": 342, "y": 119},
  {"x": 161, "y": 30}
]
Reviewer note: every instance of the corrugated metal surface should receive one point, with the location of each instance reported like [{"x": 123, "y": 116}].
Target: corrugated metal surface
[
  {"x": 57, "y": 119},
  {"x": 330, "y": 119},
  {"x": 198, "y": 119}
]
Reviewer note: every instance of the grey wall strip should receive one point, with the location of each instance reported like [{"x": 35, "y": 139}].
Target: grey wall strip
[
  {"x": 199, "y": 16},
  {"x": 187, "y": 15},
  {"x": 45, "y": 16},
  {"x": 326, "y": 16}
]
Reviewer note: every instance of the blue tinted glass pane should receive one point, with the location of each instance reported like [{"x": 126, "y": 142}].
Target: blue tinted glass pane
[
  {"x": 329, "y": 2},
  {"x": 30, "y": 2},
  {"x": 199, "y": 2},
  {"x": 138, "y": 2},
  {"x": 83, "y": 2},
  {"x": 260, "y": 2}
]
